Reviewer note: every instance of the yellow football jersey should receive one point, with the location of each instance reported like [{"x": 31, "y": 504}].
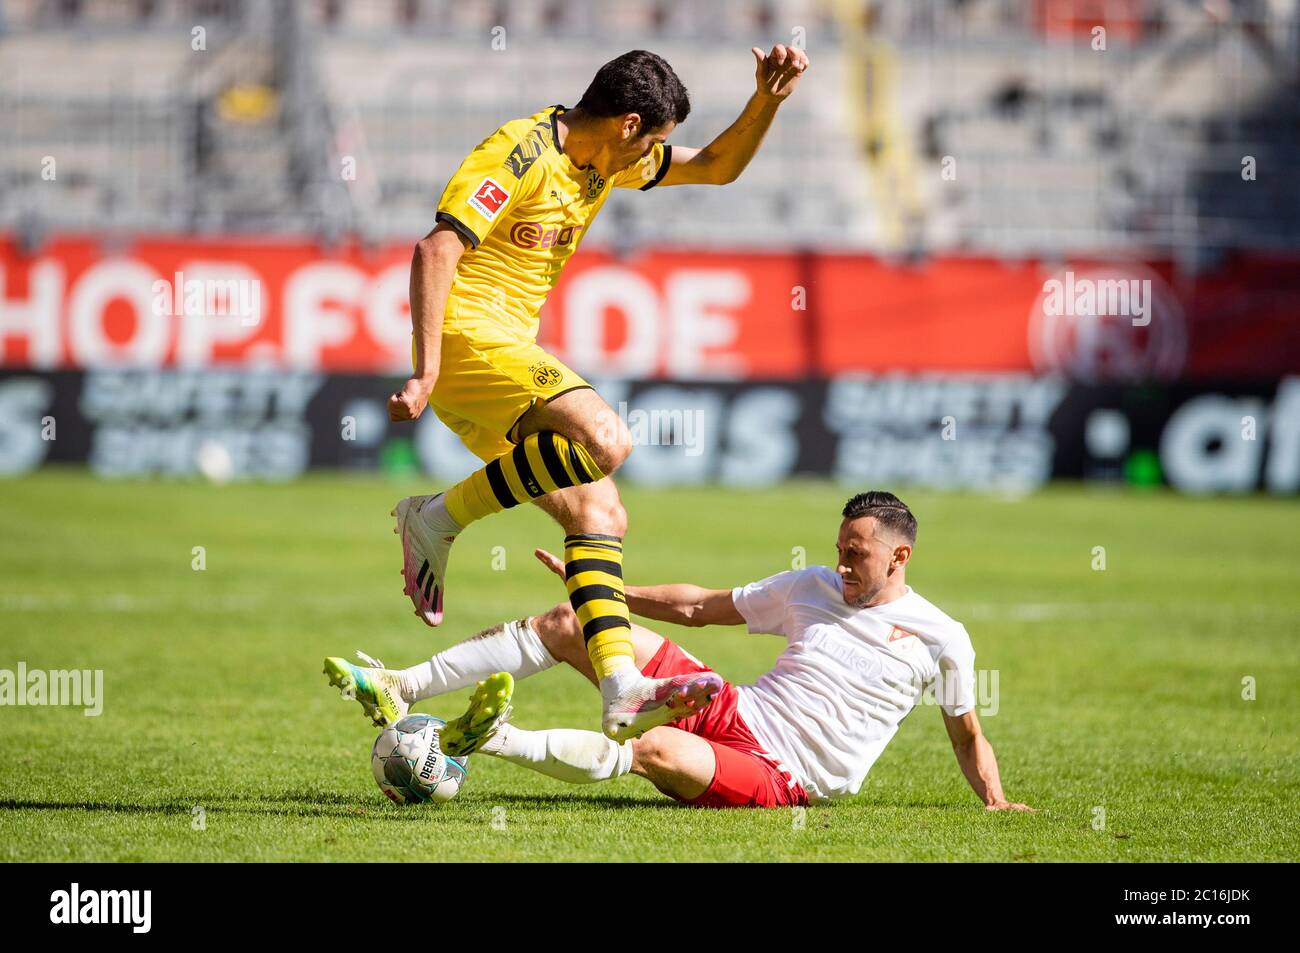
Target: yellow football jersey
[{"x": 524, "y": 207}]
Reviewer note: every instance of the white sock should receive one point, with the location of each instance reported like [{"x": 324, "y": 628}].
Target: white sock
[
  {"x": 621, "y": 680},
  {"x": 578, "y": 757},
  {"x": 513, "y": 647},
  {"x": 438, "y": 517}
]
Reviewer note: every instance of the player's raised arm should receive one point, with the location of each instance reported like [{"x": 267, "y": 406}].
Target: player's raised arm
[
  {"x": 433, "y": 266},
  {"x": 723, "y": 159},
  {"x": 978, "y": 763},
  {"x": 682, "y": 603}
]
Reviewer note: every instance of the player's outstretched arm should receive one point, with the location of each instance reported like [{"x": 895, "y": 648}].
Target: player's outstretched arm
[
  {"x": 723, "y": 159},
  {"x": 978, "y": 763},
  {"x": 433, "y": 266},
  {"x": 681, "y": 603}
]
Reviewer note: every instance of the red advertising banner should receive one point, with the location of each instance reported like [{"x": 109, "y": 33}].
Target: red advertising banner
[{"x": 78, "y": 302}]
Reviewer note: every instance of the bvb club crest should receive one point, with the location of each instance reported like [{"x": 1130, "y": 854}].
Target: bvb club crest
[{"x": 545, "y": 375}]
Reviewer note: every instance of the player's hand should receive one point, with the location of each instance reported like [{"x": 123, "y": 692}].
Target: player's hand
[
  {"x": 778, "y": 73},
  {"x": 1009, "y": 806},
  {"x": 409, "y": 402},
  {"x": 552, "y": 562}
]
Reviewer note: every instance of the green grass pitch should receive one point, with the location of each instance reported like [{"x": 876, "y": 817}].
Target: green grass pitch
[{"x": 1120, "y": 691}]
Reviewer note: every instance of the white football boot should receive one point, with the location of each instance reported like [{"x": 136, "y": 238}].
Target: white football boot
[
  {"x": 427, "y": 531},
  {"x": 650, "y": 702}
]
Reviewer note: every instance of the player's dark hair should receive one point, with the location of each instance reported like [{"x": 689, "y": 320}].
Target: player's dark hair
[
  {"x": 888, "y": 510},
  {"x": 637, "y": 82}
]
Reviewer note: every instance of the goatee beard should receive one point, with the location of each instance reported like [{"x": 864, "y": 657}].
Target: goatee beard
[{"x": 863, "y": 601}]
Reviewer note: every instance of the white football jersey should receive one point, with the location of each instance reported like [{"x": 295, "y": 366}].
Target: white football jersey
[{"x": 849, "y": 676}]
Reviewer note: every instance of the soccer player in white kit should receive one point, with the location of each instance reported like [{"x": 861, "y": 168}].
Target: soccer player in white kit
[{"x": 862, "y": 648}]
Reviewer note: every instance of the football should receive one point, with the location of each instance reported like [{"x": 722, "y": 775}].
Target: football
[{"x": 409, "y": 765}]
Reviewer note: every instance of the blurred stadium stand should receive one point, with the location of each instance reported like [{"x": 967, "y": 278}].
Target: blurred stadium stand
[
  {"x": 1059, "y": 148},
  {"x": 894, "y": 260}
]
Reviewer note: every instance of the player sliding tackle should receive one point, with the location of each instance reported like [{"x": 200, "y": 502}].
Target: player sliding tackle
[
  {"x": 862, "y": 647},
  {"x": 511, "y": 216}
]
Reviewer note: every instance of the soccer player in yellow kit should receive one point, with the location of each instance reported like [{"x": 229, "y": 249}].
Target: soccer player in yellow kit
[{"x": 511, "y": 216}]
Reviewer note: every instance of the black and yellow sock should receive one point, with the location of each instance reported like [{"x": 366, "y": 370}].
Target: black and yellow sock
[
  {"x": 593, "y": 574},
  {"x": 540, "y": 463}
]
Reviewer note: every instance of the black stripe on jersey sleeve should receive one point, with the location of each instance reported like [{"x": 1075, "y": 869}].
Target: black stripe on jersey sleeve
[
  {"x": 663, "y": 168},
  {"x": 466, "y": 232}
]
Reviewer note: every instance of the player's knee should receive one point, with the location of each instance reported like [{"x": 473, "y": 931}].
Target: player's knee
[
  {"x": 650, "y": 753},
  {"x": 654, "y": 756},
  {"x": 558, "y": 628},
  {"x": 610, "y": 442}
]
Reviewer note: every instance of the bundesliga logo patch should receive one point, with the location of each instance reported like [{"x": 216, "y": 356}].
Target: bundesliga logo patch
[{"x": 488, "y": 199}]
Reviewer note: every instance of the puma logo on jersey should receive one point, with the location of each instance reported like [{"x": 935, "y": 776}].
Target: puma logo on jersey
[
  {"x": 489, "y": 198},
  {"x": 529, "y": 150}
]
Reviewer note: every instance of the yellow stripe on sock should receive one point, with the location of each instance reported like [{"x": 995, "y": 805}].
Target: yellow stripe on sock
[
  {"x": 471, "y": 499},
  {"x": 538, "y": 465},
  {"x": 604, "y": 605},
  {"x": 499, "y": 485}
]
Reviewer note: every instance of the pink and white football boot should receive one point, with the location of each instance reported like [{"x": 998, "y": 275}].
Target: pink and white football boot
[{"x": 427, "y": 531}]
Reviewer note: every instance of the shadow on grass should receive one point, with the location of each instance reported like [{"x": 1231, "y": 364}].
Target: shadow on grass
[
  {"x": 275, "y": 805},
  {"x": 298, "y": 804},
  {"x": 544, "y": 802}
]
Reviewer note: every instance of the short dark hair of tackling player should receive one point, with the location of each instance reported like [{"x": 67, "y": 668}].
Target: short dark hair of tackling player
[{"x": 889, "y": 511}]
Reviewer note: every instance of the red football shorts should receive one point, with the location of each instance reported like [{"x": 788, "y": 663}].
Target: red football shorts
[{"x": 746, "y": 775}]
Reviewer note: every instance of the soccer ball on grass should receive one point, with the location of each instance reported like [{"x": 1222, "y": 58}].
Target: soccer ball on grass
[{"x": 409, "y": 764}]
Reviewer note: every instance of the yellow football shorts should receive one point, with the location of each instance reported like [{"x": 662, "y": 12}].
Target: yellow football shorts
[{"x": 484, "y": 389}]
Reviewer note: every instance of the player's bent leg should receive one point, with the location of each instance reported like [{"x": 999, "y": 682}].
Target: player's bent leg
[
  {"x": 584, "y": 418},
  {"x": 649, "y": 702},
  {"x": 566, "y": 754},
  {"x": 594, "y": 522},
  {"x": 705, "y": 772},
  {"x": 593, "y": 556},
  {"x": 591, "y": 508},
  {"x": 513, "y": 647},
  {"x": 561, "y": 635},
  {"x": 676, "y": 762},
  {"x": 540, "y": 463},
  {"x": 386, "y": 694}
]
